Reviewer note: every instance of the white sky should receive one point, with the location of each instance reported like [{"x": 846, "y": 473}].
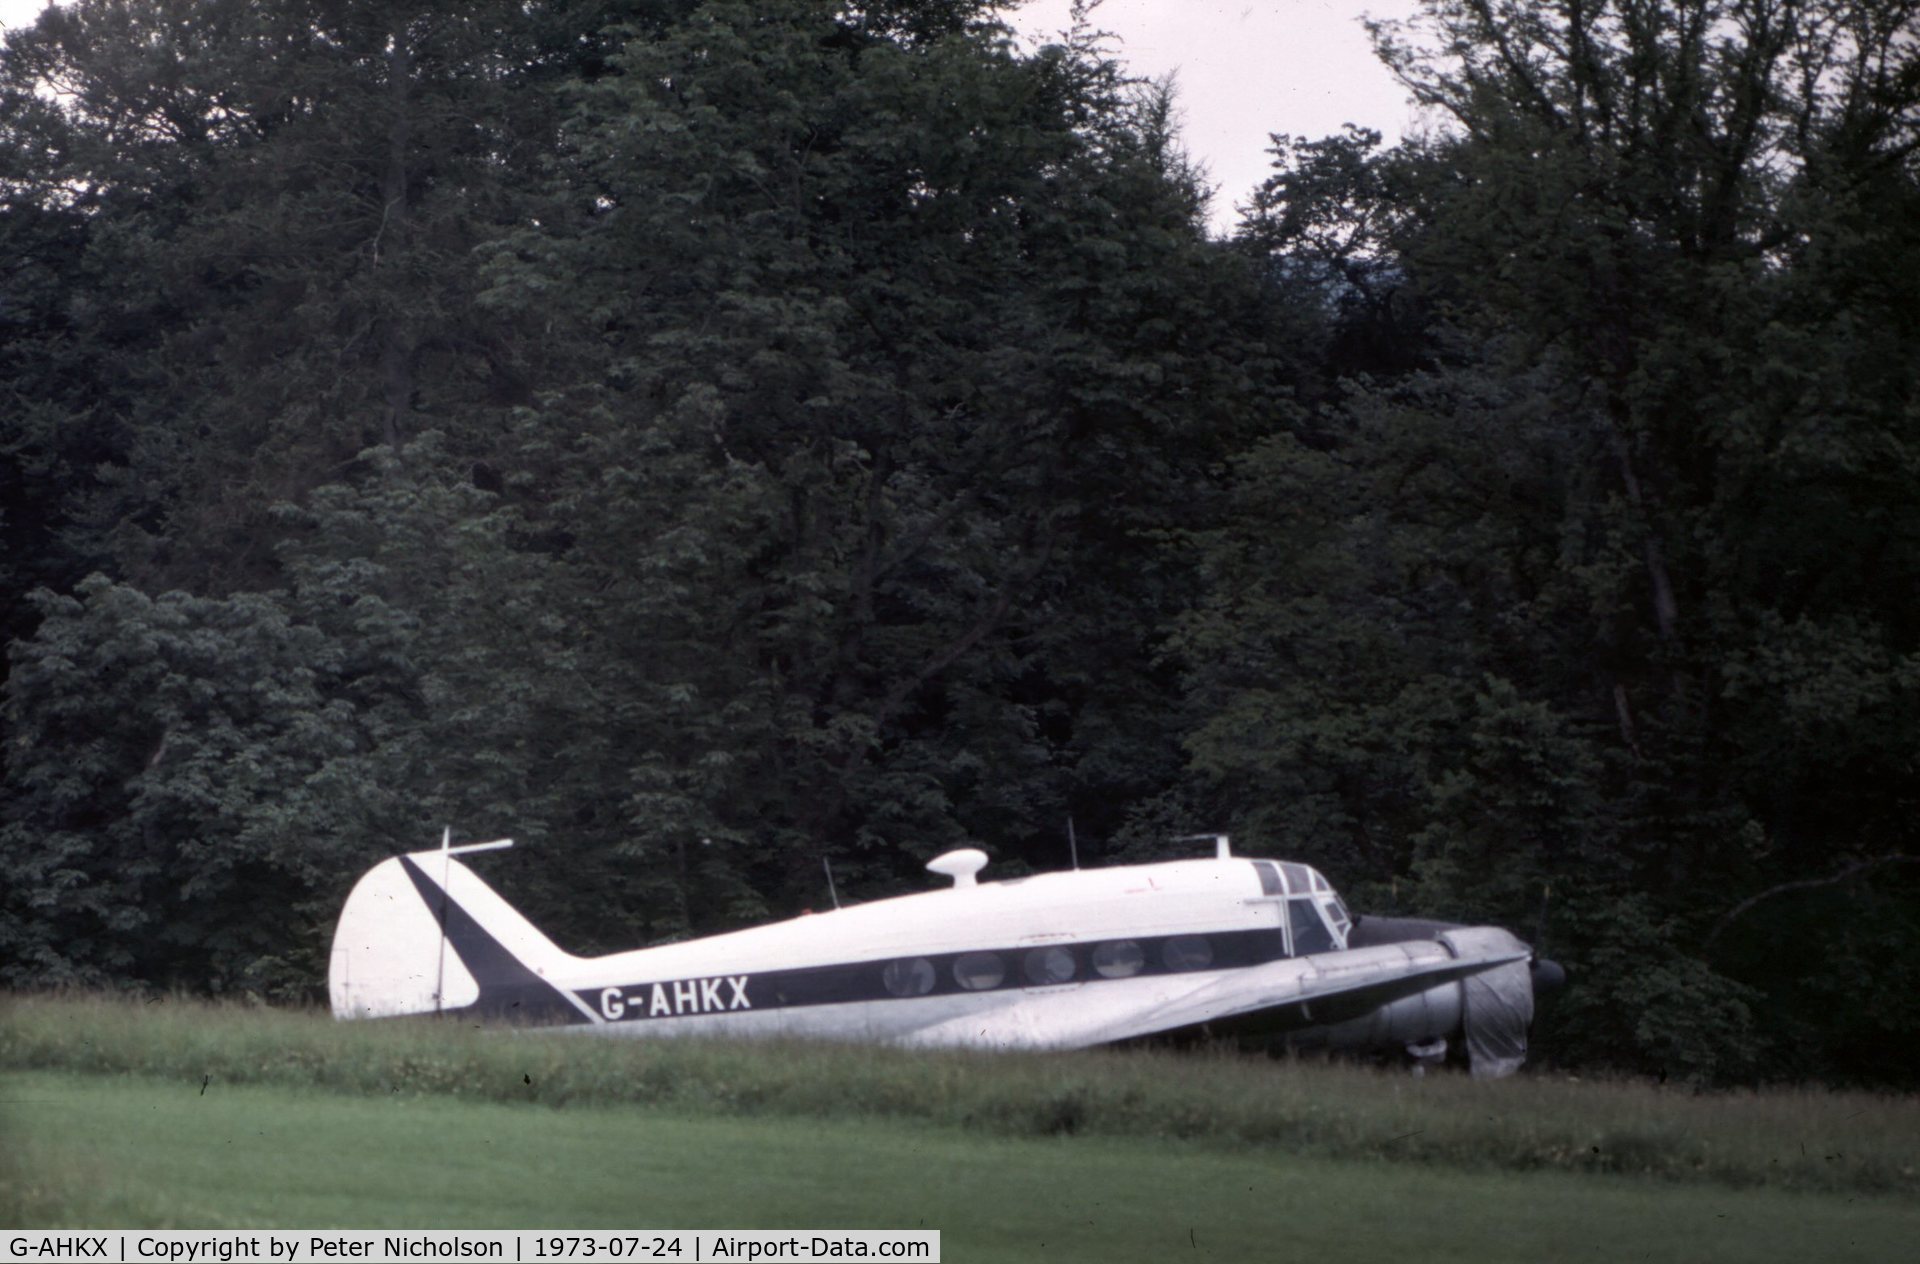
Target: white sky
[
  {"x": 19, "y": 12},
  {"x": 1247, "y": 68},
  {"x": 1244, "y": 69}
]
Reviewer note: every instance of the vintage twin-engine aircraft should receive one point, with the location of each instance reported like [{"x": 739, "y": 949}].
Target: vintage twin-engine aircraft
[{"x": 1228, "y": 945}]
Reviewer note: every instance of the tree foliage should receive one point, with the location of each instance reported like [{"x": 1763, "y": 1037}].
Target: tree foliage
[
  {"x": 739, "y": 444},
  {"x": 1594, "y": 635}
]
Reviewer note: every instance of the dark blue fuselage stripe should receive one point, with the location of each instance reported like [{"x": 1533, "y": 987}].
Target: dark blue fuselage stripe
[{"x": 866, "y": 981}]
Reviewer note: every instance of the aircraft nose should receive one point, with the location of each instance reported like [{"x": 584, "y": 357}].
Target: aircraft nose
[{"x": 1548, "y": 976}]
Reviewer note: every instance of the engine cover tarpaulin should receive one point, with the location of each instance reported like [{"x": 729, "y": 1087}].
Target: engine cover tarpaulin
[{"x": 1498, "y": 1004}]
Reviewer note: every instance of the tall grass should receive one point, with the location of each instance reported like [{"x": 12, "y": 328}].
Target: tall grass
[{"x": 1798, "y": 1139}]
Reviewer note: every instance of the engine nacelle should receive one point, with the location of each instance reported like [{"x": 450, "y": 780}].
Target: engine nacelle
[
  {"x": 1420, "y": 1019},
  {"x": 1490, "y": 1011}
]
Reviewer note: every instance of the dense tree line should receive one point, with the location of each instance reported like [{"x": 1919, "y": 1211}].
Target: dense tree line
[{"x": 700, "y": 439}]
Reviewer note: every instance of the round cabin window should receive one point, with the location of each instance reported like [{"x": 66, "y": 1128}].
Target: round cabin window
[
  {"x": 910, "y": 976},
  {"x": 978, "y": 971},
  {"x": 1046, "y": 966},
  {"x": 1121, "y": 959},
  {"x": 1187, "y": 952}
]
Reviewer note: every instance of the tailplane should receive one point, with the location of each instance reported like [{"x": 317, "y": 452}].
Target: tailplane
[{"x": 423, "y": 934}]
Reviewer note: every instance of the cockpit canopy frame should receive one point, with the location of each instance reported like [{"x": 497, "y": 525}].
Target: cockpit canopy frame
[{"x": 1316, "y": 919}]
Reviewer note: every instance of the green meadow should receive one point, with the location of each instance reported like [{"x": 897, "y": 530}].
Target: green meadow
[{"x": 124, "y": 1114}]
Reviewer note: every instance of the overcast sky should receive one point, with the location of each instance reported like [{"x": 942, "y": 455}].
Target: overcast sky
[
  {"x": 19, "y": 12},
  {"x": 1244, "y": 69},
  {"x": 1248, "y": 68}
]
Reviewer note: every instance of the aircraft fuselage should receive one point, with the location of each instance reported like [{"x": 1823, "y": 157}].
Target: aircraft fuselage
[{"x": 1055, "y": 960}]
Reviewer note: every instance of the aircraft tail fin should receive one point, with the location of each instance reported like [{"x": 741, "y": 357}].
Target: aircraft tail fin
[{"x": 423, "y": 934}]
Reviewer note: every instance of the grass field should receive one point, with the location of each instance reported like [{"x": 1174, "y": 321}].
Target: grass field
[
  {"x": 119, "y": 1150},
  {"x": 194, "y": 1116}
]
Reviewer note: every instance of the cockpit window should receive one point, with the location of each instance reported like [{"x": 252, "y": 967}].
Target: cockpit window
[
  {"x": 1269, "y": 878},
  {"x": 1310, "y": 932},
  {"x": 1298, "y": 880}
]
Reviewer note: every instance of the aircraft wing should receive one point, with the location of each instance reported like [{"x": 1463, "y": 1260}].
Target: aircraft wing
[{"x": 1331, "y": 987}]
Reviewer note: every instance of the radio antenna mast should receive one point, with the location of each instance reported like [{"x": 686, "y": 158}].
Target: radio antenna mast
[
  {"x": 440, "y": 965},
  {"x": 1073, "y": 845},
  {"x": 447, "y": 852},
  {"x": 1222, "y": 845},
  {"x": 828, "y": 866}
]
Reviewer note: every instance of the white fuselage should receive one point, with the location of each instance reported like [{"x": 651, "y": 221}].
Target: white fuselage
[
  {"x": 1058, "y": 960},
  {"x": 1009, "y": 919}
]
